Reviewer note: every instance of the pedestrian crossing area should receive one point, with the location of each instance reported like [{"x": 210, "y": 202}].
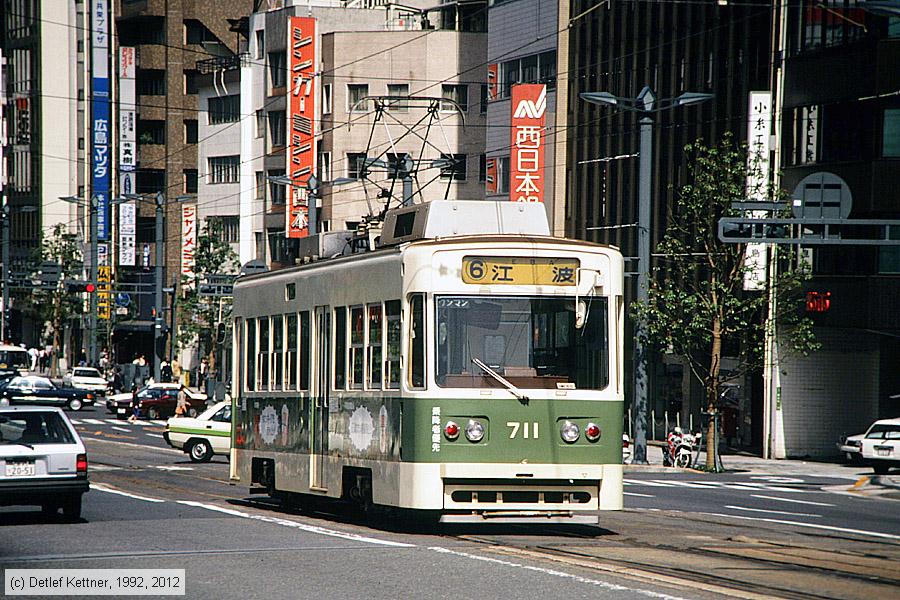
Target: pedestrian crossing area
[
  {"x": 707, "y": 485},
  {"x": 120, "y": 422}
]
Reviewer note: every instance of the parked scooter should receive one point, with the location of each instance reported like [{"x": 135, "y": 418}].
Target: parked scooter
[{"x": 680, "y": 449}]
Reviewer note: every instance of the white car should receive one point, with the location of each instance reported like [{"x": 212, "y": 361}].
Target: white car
[
  {"x": 203, "y": 436},
  {"x": 42, "y": 460},
  {"x": 88, "y": 378},
  {"x": 881, "y": 446}
]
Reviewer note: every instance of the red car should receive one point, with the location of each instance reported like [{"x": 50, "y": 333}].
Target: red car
[{"x": 158, "y": 401}]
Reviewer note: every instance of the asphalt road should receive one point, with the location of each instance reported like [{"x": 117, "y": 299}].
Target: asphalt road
[{"x": 150, "y": 507}]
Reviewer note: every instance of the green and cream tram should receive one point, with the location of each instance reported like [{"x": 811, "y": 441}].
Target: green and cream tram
[{"x": 470, "y": 366}]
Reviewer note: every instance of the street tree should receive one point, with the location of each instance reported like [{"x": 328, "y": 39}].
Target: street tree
[
  {"x": 49, "y": 302},
  {"x": 697, "y": 306},
  {"x": 199, "y": 316}
]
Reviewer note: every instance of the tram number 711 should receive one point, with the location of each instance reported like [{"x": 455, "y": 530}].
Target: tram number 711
[{"x": 529, "y": 430}]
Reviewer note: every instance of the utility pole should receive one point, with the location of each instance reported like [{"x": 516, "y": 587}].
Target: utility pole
[
  {"x": 4, "y": 222},
  {"x": 159, "y": 320},
  {"x": 646, "y": 104}
]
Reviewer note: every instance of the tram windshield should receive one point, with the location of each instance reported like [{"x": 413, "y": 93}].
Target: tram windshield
[{"x": 530, "y": 342}]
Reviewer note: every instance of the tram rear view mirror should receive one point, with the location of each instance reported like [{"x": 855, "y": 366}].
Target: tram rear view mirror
[
  {"x": 580, "y": 313},
  {"x": 484, "y": 314}
]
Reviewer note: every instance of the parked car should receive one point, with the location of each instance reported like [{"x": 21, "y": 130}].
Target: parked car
[
  {"x": 89, "y": 379},
  {"x": 881, "y": 446},
  {"x": 204, "y": 436},
  {"x": 14, "y": 360},
  {"x": 157, "y": 400},
  {"x": 42, "y": 460},
  {"x": 33, "y": 389}
]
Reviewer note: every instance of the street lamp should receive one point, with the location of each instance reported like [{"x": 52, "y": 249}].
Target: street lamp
[
  {"x": 93, "y": 204},
  {"x": 645, "y": 104},
  {"x": 4, "y": 276},
  {"x": 312, "y": 186}
]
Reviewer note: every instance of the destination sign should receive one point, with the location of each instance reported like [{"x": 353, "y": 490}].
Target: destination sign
[{"x": 519, "y": 270}]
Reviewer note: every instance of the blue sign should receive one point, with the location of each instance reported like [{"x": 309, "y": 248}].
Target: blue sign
[
  {"x": 101, "y": 163},
  {"x": 123, "y": 299}
]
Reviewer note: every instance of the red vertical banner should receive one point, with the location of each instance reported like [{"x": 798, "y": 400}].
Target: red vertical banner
[
  {"x": 526, "y": 162},
  {"x": 493, "y": 75},
  {"x": 301, "y": 118},
  {"x": 490, "y": 180}
]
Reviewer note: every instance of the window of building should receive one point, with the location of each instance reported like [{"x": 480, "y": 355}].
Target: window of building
[
  {"x": 503, "y": 175},
  {"x": 340, "y": 348},
  {"x": 355, "y": 93},
  {"x": 225, "y": 228},
  {"x": 223, "y": 109},
  {"x": 827, "y": 24},
  {"x": 458, "y": 93},
  {"x": 260, "y": 44},
  {"x": 483, "y": 103},
  {"x": 195, "y": 32},
  {"x": 190, "y": 181},
  {"x": 416, "y": 377},
  {"x": 325, "y": 166},
  {"x": 890, "y": 136},
  {"x": 260, "y": 185},
  {"x": 260, "y": 123},
  {"x": 482, "y": 168},
  {"x": 356, "y": 165},
  {"x": 277, "y": 128},
  {"x": 398, "y": 89},
  {"x": 537, "y": 68},
  {"x": 224, "y": 169},
  {"x": 277, "y": 69},
  {"x": 150, "y": 82},
  {"x": 889, "y": 256},
  {"x": 191, "y": 81},
  {"x": 150, "y": 181},
  {"x": 151, "y": 131},
  {"x": 456, "y": 167},
  {"x": 278, "y": 250},
  {"x": 397, "y": 165},
  {"x": 190, "y": 131},
  {"x": 141, "y": 31},
  {"x": 893, "y": 30},
  {"x": 327, "y": 103},
  {"x": 277, "y": 191}
]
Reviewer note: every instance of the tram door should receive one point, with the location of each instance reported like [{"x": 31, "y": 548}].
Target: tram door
[{"x": 319, "y": 417}]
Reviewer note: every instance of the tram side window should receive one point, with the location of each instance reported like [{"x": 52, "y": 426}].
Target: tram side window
[
  {"x": 238, "y": 337},
  {"x": 290, "y": 358},
  {"x": 250, "y": 356},
  {"x": 417, "y": 341},
  {"x": 277, "y": 352},
  {"x": 262, "y": 376},
  {"x": 374, "y": 347},
  {"x": 392, "y": 360},
  {"x": 357, "y": 346},
  {"x": 340, "y": 348},
  {"x": 304, "y": 350}
]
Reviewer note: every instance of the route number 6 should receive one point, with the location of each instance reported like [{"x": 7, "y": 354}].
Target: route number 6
[{"x": 529, "y": 430}]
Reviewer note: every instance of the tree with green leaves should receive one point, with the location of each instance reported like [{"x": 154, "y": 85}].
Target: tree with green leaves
[
  {"x": 50, "y": 303},
  {"x": 698, "y": 307},
  {"x": 199, "y": 316}
]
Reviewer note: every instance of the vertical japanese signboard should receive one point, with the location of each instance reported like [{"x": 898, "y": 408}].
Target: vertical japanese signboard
[
  {"x": 758, "y": 142},
  {"x": 189, "y": 243},
  {"x": 127, "y": 117},
  {"x": 301, "y": 116},
  {"x": 493, "y": 81},
  {"x": 490, "y": 177},
  {"x": 104, "y": 277},
  {"x": 100, "y": 159},
  {"x": 127, "y": 232},
  {"x": 526, "y": 169}
]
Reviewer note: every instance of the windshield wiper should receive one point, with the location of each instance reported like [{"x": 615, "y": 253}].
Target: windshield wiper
[{"x": 512, "y": 389}]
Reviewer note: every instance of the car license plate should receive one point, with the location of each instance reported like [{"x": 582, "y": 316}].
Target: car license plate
[
  {"x": 19, "y": 469},
  {"x": 121, "y": 411},
  {"x": 883, "y": 451}
]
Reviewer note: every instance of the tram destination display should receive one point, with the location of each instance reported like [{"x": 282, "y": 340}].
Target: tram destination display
[{"x": 519, "y": 270}]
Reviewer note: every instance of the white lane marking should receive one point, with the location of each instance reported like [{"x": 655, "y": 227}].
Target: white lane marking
[
  {"x": 704, "y": 485},
  {"x": 771, "y": 479},
  {"x": 93, "y": 421},
  {"x": 141, "y": 446},
  {"x": 774, "y": 512},
  {"x": 113, "y": 421},
  {"x": 101, "y": 488},
  {"x": 158, "y": 422},
  {"x": 156, "y": 435},
  {"x": 121, "y": 429},
  {"x": 173, "y": 468},
  {"x": 810, "y": 502},
  {"x": 595, "y": 582},
  {"x": 74, "y": 421},
  {"x": 647, "y": 482},
  {"x": 639, "y": 495},
  {"x": 303, "y": 526},
  {"x": 812, "y": 525}
]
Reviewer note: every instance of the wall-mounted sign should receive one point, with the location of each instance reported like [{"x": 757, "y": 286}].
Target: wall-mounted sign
[
  {"x": 101, "y": 163},
  {"x": 818, "y": 302},
  {"x": 526, "y": 170},
  {"x": 127, "y": 232},
  {"x": 759, "y": 113},
  {"x": 127, "y": 113},
  {"x": 493, "y": 81},
  {"x": 189, "y": 243},
  {"x": 301, "y": 118}
]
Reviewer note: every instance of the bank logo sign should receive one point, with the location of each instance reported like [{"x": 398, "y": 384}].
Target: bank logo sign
[
  {"x": 532, "y": 109},
  {"x": 526, "y": 169}
]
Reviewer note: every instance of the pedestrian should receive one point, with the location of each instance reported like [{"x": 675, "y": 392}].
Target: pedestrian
[
  {"x": 117, "y": 380},
  {"x": 135, "y": 409},
  {"x": 165, "y": 371},
  {"x": 33, "y": 355},
  {"x": 176, "y": 370},
  {"x": 181, "y": 408}
]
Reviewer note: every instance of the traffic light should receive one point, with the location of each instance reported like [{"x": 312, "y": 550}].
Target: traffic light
[{"x": 80, "y": 287}]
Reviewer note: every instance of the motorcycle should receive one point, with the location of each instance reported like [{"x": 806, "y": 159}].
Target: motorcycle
[{"x": 680, "y": 449}]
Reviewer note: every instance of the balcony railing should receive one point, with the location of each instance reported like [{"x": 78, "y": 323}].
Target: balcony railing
[{"x": 222, "y": 63}]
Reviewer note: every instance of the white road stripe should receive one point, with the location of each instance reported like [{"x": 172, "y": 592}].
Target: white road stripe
[
  {"x": 812, "y": 525},
  {"x": 639, "y": 495},
  {"x": 303, "y": 526},
  {"x": 93, "y": 421},
  {"x": 811, "y": 503},
  {"x": 92, "y": 440},
  {"x": 595, "y": 582},
  {"x": 75, "y": 421},
  {"x": 101, "y": 488},
  {"x": 774, "y": 512},
  {"x": 158, "y": 422},
  {"x": 113, "y": 421},
  {"x": 121, "y": 429},
  {"x": 648, "y": 482},
  {"x": 156, "y": 435},
  {"x": 694, "y": 484}
]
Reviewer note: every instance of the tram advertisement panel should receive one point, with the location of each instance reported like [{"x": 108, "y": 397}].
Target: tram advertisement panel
[{"x": 301, "y": 118}]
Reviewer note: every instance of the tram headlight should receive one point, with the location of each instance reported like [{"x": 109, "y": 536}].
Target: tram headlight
[
  {"x": 451, "y": 430},
  {"x": 474, "y": 431},
  {"x": 592, "y": 432},
  {"x": 569, "y": 432}
]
